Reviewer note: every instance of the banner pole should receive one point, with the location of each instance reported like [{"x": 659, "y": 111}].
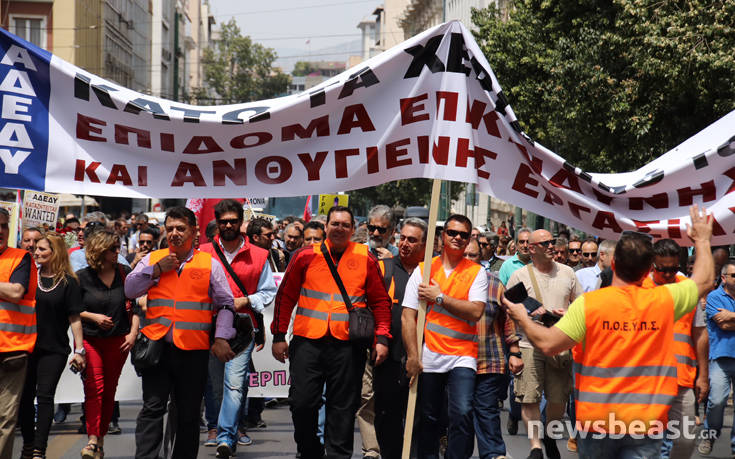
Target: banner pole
[{"x": 413, "y": 390}]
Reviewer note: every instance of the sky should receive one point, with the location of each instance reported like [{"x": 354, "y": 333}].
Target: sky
[{"x": 299, "y": 29}]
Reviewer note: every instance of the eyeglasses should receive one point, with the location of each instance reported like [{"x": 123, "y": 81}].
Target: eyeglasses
[
  {"x": 546, "y": 244},
  {"x": 454, "y": 233},
  {"x": 638, "y": 234},
  {"x": 410, "y": 239},
  {"x": 589, "y": 254},
  {"x": 559, "y": 252},
  {"x": 666, "y": 269},
  {"x": 575, "y": 250},
  {"x": 379, "y": 229},
  {"x": 231, "y": 221}
]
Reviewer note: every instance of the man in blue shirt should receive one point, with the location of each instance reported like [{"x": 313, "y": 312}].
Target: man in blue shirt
[
  {"x": 521, "y": 258},
  {"x": 589, "y": 278},
  {"x": 721, "y": 328}
]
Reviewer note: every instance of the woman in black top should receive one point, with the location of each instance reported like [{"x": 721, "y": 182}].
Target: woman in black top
[
  {"x": 110, "y": 330},
  {"x": 58, "y": 305}
]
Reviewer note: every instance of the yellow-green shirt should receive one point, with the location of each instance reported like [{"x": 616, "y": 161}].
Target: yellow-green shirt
[{"x": 684, "y": 294}]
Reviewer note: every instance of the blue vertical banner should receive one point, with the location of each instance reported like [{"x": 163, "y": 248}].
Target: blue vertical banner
[{"x": 24, "y": 114}]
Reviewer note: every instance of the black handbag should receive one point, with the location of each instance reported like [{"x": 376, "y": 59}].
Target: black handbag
[
  {"x": 146, "y": 353},
  {"x": 241, "y": 322},
  {"x": 361, "y": 320}
]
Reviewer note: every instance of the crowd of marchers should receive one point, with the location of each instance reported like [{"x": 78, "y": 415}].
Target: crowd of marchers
[{"x": 633, "y": 332}]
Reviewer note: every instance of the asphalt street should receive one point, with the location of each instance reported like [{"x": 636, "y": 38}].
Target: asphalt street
[{"x": 275, "y": 441}]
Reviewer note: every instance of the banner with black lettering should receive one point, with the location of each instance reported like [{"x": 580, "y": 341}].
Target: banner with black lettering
[{"x": 430, "y": 107}]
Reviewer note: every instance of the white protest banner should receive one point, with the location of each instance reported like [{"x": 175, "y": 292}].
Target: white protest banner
[
  {"x": 40, "y": 208},
  {"x": 430, "y": 107},
  {"x": 12, "y": 209}
]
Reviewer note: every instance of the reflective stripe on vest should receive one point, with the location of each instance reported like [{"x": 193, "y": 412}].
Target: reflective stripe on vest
[
  {"x": 321, "y": 307},
  {"x": 180, "y": 302},
  {"x": 686, "y": 355},
  {"x": 624, "y": 371},
  {"x": 17, "y": 319},
  {"x": 446, "y": 333}
]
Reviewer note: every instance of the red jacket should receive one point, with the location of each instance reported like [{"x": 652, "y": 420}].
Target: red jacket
[
  {"x": 289, "y": 290},
  {"x": 248, "y": 265}
]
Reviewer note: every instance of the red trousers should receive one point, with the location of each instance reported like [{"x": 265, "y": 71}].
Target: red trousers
[{"x": 105, "y": 361}]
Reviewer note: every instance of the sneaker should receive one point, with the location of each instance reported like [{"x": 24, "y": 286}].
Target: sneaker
[
  {"x": 552, "y": 451},
  {"x": 211, "y": 438},
  {"x": 512, "y": 426},
  {"x": 536, "y": 453},
  {"x": 705, "y": 446},
  {"x": 244, "y": 440},
  {"x": 572, "y": 445},
  {"x": 259, "y": 424},
  {"x": 223, "y": 450},
  {"x": 114, "y": 429}
]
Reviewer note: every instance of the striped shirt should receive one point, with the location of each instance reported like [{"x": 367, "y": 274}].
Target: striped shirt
[{"x": 494, "y": 331}]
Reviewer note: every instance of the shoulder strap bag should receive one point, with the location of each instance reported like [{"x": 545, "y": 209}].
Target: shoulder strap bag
[
  {"x": 242, "y": 323},
  {"x": 361, "y": 320}
]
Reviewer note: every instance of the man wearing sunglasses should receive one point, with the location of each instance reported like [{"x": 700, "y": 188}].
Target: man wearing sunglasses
[
  {"x": 488, "y": 244},
  {"x": 380, "y": 226},
  {"x": 623, "y": 335},
  {"x": 589, "y": 253},
  {"x": 721, "y": 327},
  {"x": 521, "y": 258},
  {"x": 690, "y": 348},
  {"x": 575, "y": 254},
  {"x": 555, "y": 286},
  {"x": 146, "y": 244},
  {"x": 455, "y": 301},
  {"x": 590, "y": 277}
]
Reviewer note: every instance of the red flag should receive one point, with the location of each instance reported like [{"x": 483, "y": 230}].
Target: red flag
[{"x": 307, "y": 209}]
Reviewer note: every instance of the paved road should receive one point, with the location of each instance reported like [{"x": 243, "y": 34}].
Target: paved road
[{"x": 276, "y": 441}]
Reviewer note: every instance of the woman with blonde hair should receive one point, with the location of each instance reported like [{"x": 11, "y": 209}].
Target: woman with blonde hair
[
  {"x": 110, "y": 330},
  {"x": 58, "y": 305}
]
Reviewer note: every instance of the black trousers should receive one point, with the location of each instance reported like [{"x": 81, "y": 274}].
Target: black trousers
[
  {"x": 181, "y": 375},
  {"x": 42, "y": 377},
  {"x": 339, "y": 365},
  {"x": 391, "y": 397}
]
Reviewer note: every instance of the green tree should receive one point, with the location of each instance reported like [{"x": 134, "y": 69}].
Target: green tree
[
  {"x": 302, "y": 68},
  {"x": 409, "y": 192},
  {"x": 611, "y": 84},
  {"x": 239, "y": 70}
]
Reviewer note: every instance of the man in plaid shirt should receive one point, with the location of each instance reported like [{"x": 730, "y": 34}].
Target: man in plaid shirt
[{"x": 495, "y": 333}]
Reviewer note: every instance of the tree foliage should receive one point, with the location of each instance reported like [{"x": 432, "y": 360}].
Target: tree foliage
[
  {"x": 409, "y": 192},
  {"x": 302, "y": 68},
  {"x": 611, "y": 84},
  {"x": 239, "y": 70}
]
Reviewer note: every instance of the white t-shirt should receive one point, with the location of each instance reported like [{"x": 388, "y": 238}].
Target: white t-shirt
[{"x": 432, "y": 361}]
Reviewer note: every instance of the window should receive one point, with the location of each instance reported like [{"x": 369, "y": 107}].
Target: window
[{"x": 32, "y": 29}]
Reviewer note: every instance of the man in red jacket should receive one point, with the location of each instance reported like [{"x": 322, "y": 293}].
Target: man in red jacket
[
  {"x": 250, "y": 264},
  {"x": 320, "y": 350}
]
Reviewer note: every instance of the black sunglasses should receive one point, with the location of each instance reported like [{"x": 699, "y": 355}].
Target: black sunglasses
[
  {"x": 379, "y": 229},
  {"x": 575, "y": 250},
  {"x": 667, "y": 270},
  {"x": 454, "y": 233},
  {"x": 589, "y": 254},
  {"x": 546, "y": 244},
  {"x": 231, "y": 221}
]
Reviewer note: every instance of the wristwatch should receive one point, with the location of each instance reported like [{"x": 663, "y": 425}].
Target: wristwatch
[
  {"x": 439, "y": 299},
  {"x": 81, "y": 351},
  {"x": 515, "y": 354}
]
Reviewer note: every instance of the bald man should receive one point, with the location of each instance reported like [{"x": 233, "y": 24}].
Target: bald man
[{"x": 555, "y": 286}]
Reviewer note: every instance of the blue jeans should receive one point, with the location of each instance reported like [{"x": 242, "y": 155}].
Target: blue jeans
[
  {"x": 322, "y": 416},
  {"x": 488, "y": 391},
  {"x": 618, "y": 448},
  {"x": 213, "y": 391},
  {"x": 460, "y": 386},
  {"x": 721, "y": 375},
  {"x": 234, "y": 394}
]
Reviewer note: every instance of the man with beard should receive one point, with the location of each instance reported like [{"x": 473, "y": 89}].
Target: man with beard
[
  {"x": 589, "y": 253},
  {"x": 293, "y": 236},
  {"x": 250, "y": 264},
  {"x": 574, "y": 259},
  {"x": 261, "y": 234},
  {"x": 380, "y": 231},
  {"x": 390, "y": 383},
  {"x": 380, "y": 228},
  {"x": 520, "y": 259}
]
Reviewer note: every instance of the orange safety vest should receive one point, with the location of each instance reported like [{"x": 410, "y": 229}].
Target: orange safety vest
[
  {"x": 182, "y": 301},
  {"x": 446, "y": 333},
  {"x": 17, "y": 320},
  {"x": 321, "y": 306},
  {"x": 686, "y": 356},
  {"x": 625, "y": 367}
]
